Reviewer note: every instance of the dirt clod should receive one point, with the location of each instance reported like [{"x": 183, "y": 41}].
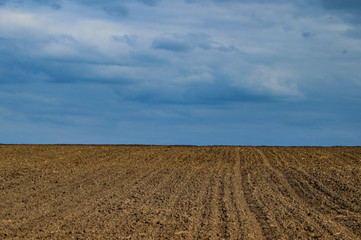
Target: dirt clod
[{"x": 179, "y": 192}]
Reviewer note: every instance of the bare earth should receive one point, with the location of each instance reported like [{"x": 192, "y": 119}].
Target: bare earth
[{"x": 177, "y": 192}]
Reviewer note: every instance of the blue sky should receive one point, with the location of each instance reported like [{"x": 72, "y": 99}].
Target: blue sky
[{"x": 181, "y": 72}]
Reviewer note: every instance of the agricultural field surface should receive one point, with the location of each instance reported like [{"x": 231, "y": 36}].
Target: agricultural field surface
[{"x": 179, "y": 192}]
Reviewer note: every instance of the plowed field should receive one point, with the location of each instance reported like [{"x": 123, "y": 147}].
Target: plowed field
[{"x": 177, "y": 192}]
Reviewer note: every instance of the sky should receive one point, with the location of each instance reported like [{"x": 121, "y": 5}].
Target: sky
[{"x": 206, "y": 72}]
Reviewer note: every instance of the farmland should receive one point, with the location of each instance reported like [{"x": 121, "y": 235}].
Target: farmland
[{"x": 179, "y": 192}]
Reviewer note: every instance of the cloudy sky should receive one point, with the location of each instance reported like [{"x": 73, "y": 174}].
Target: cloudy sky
[{"x": 181, "y": 72}]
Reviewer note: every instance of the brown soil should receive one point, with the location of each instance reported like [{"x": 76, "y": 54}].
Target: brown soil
[{"x": 176, "y": 192}]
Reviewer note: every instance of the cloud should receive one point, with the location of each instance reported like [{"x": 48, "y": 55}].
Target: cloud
[
  {"x": 307, "y": 34},
  {"x": 277, "y": 82},
  {"x": 354, "y": 33},
  {"x": 216, "y": 93},
  {"x": 170, "y": 45},
  {"x": 349, "y": 10},
  {"x": 106, "y": 2},
  {"x": 131, "y": 40},
  {"x": 54, "y": 4},
  {"x": 349, "y": 5},
  {"x": 182, "y": 43},
  {"x": 116, "y": 10},
  {"x": 221, "y": 69},
  {"x": 105, "y": 51},
  {"x": 150, "y": 2}
]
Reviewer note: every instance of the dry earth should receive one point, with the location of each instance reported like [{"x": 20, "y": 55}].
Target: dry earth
[{"x": 177, "y": 192}]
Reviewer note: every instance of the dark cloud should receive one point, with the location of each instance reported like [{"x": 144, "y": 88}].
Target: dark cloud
[
  {"x": 350, "y": 10},
  {"x": 349, "y": 5},
  {"x": 116, "y": 10},
  {"x": 150, "y": 2},
  {"x": 171, "y": 45},
  {"x": 249, "y": 1},
  {"x": 182, "y": 43},
  {"x": 146, "y": 2},
  {"x": 216, "y": 93},
  {"x": 307, "y": 34},
  {"x": 55, "y": 4},
  {"x": 356, "y": 33}
]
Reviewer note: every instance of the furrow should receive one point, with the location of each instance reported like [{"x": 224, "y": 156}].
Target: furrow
[
  {"x": 323, "y": 205},
  {"x": 249, "y": 227},
  {"x": 222, "y": 208},
  {"x": 252, "y": 194}
]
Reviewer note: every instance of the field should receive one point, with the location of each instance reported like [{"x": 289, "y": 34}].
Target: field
[{"x": 179, "y": 192}]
